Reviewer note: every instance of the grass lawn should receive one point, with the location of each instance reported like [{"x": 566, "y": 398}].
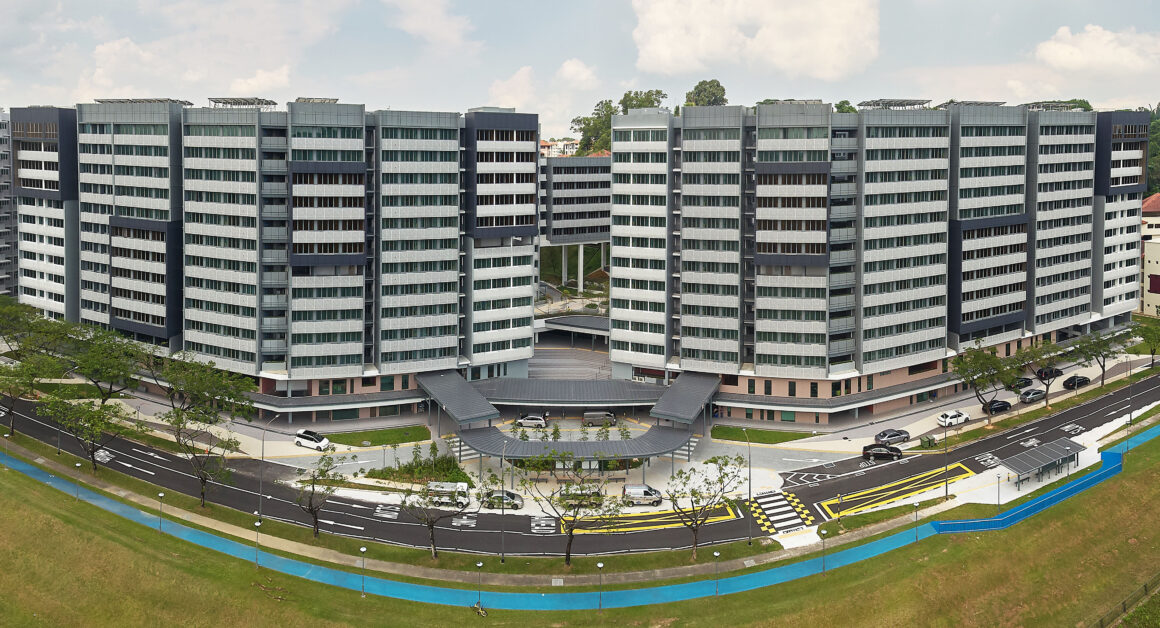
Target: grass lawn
[
  {"x": 376, "y": 438},
  {"x": 1145, "y": 615},
  {"x": 72, "y": 564},
  {"x": 768, "y": 437}
]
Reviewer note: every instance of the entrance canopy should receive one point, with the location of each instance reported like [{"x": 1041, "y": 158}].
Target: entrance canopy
[
  {"x": 588, "y": 393},
  {"x": 657, "y": 441},
  {"x": 460, "y": 400},
  {"x": 581, "y": 324},
  {"x": 686, "y": 397}
]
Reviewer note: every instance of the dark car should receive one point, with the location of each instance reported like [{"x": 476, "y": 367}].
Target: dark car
[
  {"x": 890, "y": 437},
  {"x": 996, "y": 406},
  {"x": 1020, "y": 384},
  {"x": 1075, "y": 381},
  {"x": 1050, "y": 373},
  {"x": 881, "y": 452}
]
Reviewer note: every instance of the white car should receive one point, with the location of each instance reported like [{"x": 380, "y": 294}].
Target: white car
[
  {"x": 311, "y": 440},
  {"x": 531, "y": 420},
  {"x": 954, "y": 417}
]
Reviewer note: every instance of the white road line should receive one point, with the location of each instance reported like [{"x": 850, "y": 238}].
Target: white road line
[
  {"x": 338, "y": 503},
  {"x": 335, "y": 523},
  {"x": 126, "y": 464},
  {"x": 150, "y": 454}
]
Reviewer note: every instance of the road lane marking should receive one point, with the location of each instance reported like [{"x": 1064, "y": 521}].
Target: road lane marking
[
  {"x": 126, "y": 464},
  {"x": 866, "y": 499}
]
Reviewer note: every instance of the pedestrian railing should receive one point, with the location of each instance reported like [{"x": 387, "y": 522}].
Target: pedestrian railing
[{"x": 1143, "y": 591}]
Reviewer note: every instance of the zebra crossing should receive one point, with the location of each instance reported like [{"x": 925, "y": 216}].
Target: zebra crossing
[
  {"x": 686, "y": 451},
  {"x": 462, "y": 452},
  {"x": 777, "y": 512}
]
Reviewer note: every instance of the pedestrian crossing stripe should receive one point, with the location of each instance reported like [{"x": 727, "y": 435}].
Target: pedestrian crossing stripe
[{"x": 779, "y": 512}]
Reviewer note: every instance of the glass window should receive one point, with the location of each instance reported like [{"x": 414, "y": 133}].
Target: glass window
[
  {"x": 324, "y": 387},
  {"x": 387, "y": 383},
  {"x": 406, "y": 382},
  {"x": 788, "y": 416},
  {"x": 769, "y": 387},
  {"x": 813, "y": 389},
  {"x": 793, "y": 389},
  {"x": 752, "y": 386},
  {"x": 338, "y": 387}
]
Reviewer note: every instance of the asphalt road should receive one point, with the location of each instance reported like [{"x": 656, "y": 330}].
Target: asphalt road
[{"x": 816, "y": 488}]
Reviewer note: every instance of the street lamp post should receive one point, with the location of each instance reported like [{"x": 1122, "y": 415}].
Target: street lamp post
[
  {"x": 1128, "y": 439},
  {"x": 363, "y": 552},
  {"x": 716, "y": 573},
  {"x": 916, "y": 522},
  {"x": 262, "y": 464},
  {"x": 749, "y": 450},
  {"x": 823, "y": 551},
  {"x": 479, "y": 584},
  {"x": 502, "y": 503},
  {"x": 78, "y": 465},
  {"x": 998, "y": 507},
  {"x": 6, "y": 437},
  {"x": 257, "y": 543},
  {"x": 1068, "y": 461},
  {"x": 946, "y": 466},
  {"x": 160, "y": 510},
  {"x": 600, "y": 588}
]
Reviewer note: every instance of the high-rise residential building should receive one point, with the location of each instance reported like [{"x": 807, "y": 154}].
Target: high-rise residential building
[
  {"x": 575, "y": 207},
  {"x": 44, "y": 156},
  {"x": 829, "y": 264},
  {"x": 8, "y": 231}
]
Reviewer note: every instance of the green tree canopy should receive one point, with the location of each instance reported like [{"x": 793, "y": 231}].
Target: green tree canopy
[
  {"x": 595, "y": 129},
  {"x": 638, "y": 99},
  {"x": 984, "y": 372},
  {"x": 844, "y": 106},
  {"x": 707, "y": 93}
]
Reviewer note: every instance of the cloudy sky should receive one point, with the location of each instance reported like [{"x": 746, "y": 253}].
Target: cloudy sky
[{"x": 559, "y": 58}]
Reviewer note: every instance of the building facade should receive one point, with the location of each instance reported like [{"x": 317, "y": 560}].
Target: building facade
[
  {"x": 8, "y": 230},
  {"x": 828, "y": 264}
]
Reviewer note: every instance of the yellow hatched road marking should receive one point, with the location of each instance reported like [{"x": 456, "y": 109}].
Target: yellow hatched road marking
[
  {"x": 659, "y": 521},
  {"x": 894, "y": 491}
]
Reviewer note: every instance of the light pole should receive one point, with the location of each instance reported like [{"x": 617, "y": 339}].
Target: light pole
[
  {"x": 160, "y": 510},
  {"x": 257, "y": 543},
  {"x": 823, "y": 551},
  {"x": 262, "y": 464},
  {"x": 1068, "y": 461},
  {"x": 840, "y": 510},
  {"x": 1129, "y": 437},
  {"x": 946, "y": 467},
  {"x": 916, "y": 522},
  {"x": 479, "y": 584},
  {"x": 363, "y": 552},
  {"x": 502, "y": 503},
  {"x": 716, "y": 573},
  {"x": 600, "y": 588},
  {"x": 998, "y": 507},
  {"x": 6, "y": 436},
  {"x": 749, "y": 450},
  {"x": 78, "y": 465}
]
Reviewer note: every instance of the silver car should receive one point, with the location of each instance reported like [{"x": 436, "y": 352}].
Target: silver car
[
  {"x": 1032, "y": 395},
  {"x": 892, "y": 437}
]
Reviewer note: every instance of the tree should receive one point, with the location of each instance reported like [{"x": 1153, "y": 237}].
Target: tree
[
  {"x": 844, "y": 106},
  {"x": 430, "y": 507},
  {"x": 578, "y": 498},
  {"x": 556, "y": 432},
  {"x": 1044, "y": 360},
  {"x": 202, "y": 398},
  {"x": 984, "y": 372},
  {"x": 93, "y": 424},
  {"x": 625, "y": 432},
  {"x": 317, "y": 484},
  {"x": 707, "y": 93},
  {"x": 1150, "y": 337},
  {"x": 642, "y": 99},
  {"x": 27, "y": 333},
  {"x": 21, "y": 379},
  {"x": 106, "y": 359},
  {"x": 1098, "y": 348},
  {"x": 697, "y": 492},
  {"x": 596, "y": 129}
]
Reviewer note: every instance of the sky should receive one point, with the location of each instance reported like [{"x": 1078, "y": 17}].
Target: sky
[{"x": 559, "y": 58}]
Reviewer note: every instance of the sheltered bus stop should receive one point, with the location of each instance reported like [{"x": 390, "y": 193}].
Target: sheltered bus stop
[{"x": 1043, "y": 459}]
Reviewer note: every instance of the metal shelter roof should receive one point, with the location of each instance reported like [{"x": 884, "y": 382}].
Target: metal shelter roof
[
  {"x": 971, "y": 103},
  {"x": 655, "y": 442},
  {"x": 597, "y": 325},
  {"x": 595, "y": 393},
  {"x": 1046, "y": 455},
  {"x": 458, "y": 398},
  {"x": 893, "y": 103},
  {"x": 139, "y": 101},
  {"x": 686, "y": 396}
]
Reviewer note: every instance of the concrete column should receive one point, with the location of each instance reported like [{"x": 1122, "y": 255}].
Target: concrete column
[
  {"x": 563, "y": 265},
  {"x": 580, "y": 270},
  {"x": 603, "y": 255}
]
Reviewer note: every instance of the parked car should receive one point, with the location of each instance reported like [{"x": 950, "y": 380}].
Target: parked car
[
  {"x": 996, "y": 406},
  {"x": 1032, "y": 395},
  {"x": 531, "y": 420},
  {"x": 638, "y": 494},
  {"x": 954, "y": 417},
  {"x": 311, "y": 440},
  {"x": 451, "y": 494},
  {"x": 599, "y": 419},
  {"x": 881, "y": 452},
  {"x": 580, "y": 495},
  {"x": 1050, "y": 373},
  {"x": 890, "y": 437},
  {"x": 1075, "y": 381},
  {"x": 503, "y": 499},
  {"x": 1020, "y": 384}
]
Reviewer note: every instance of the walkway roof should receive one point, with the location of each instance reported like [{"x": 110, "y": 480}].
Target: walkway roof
[
  {"x": 591, "y": 393},
  {"x": 596, "y": 325},
  {"x": 656, "y": 441},
  {"x": 1046, "y": 455},
  {"x": 458, "y": 398},
  {"x": 686, "y": 396}
]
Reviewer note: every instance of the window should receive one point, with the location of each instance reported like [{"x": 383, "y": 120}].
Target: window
[
  {"x": 793, "y": 389},
  {"x": 769, "y": 388},
  {"x": 387, "y": 383},
  {"x": 324, "y": 387},
  {"x": 752, "y": 386},
  {"x": 405, "y": 382},
  {"x": 813, "y": 389}
]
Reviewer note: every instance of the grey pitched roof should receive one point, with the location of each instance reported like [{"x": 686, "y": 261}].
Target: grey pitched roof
[
  {"x": 655, "y": 442},
  {"x": 685, "y": 396},
  {"x": 279, "y": 402},
  {"x": 1046, "y": 455},
  {"x": 591, "y": 323},
  {"x": 592, "y": 392},
  {"x": 458, "y": 398}
]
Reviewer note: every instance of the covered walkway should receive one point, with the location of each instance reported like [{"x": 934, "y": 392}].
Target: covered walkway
[
  {"x": 687, "y": 397},
  {"x": 657, "y": 441},
  {"x": 453, "y": 395}
]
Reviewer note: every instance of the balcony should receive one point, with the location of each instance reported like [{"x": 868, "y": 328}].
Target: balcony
[
  {"x": 274, "y": 323},
  {"x": 274, "y": 165},
  {"x": 843, "y": 257},
  {"x": 838, "y": 325},
  {"x": 274, "y": 278},
  {"x": 841, "y": 280}
]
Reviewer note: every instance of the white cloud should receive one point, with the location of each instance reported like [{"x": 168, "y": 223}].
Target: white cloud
[
  {"x": 822, "y": 40},
  {"x": 574, "y": 74},
  {"x": 262, "y": 81},
  {"x": 516, "y": 91},
  {"x": 1096, "y": 50},
  {"x": 430, "y": 21}
]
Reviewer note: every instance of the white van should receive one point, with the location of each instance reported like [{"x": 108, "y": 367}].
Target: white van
[
  {"x": 640, "y": 494},
  {"x": 599, "y": 418},
  {"x": 449, "y": 494}
]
